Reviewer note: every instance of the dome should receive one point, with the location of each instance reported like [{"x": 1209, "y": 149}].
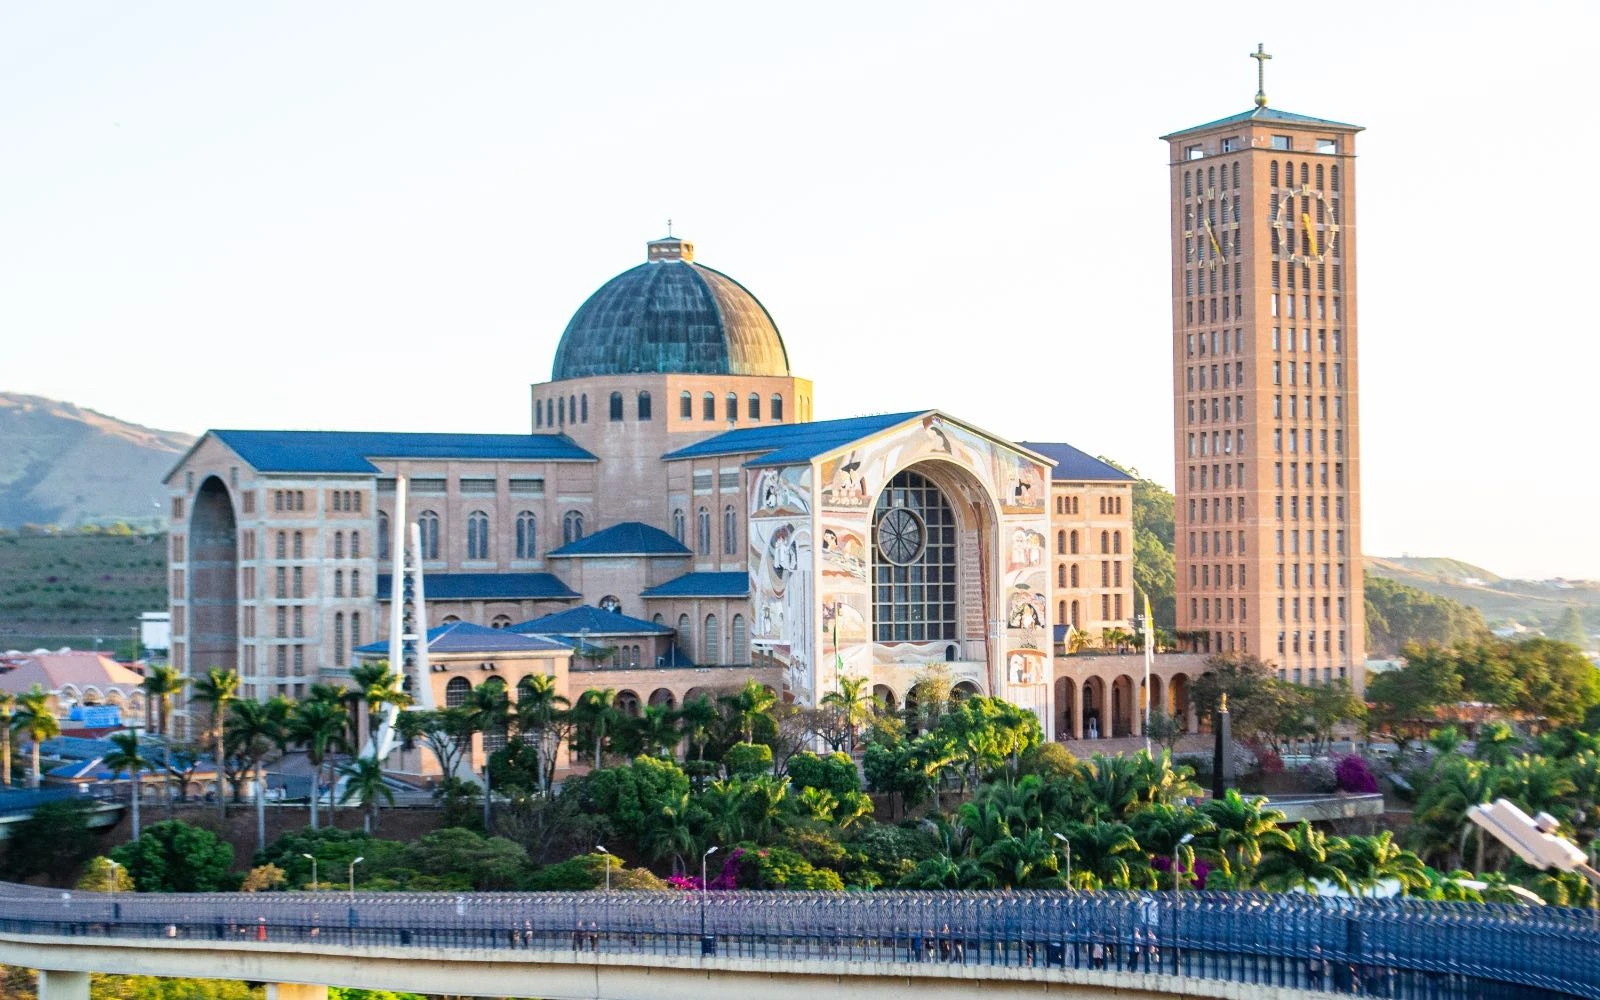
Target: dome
[{"x": 670, "y": 315}]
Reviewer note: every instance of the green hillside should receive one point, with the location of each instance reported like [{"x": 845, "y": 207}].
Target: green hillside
[
  {"x": 1536, "y": 604},
  {"x": 69, "y": 589}
]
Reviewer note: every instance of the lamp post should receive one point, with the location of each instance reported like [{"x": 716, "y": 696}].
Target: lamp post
[
  {"x": 602, "y": 849},
  {"x": 1177, "y": 865},
  {"x": 1068, "y": 845},
  {"x": 353, "y": 864},
  {"x": 1535, "y": 841},
  {"x": 313, "y": 859},
  {"x": 704, "y": 886}
]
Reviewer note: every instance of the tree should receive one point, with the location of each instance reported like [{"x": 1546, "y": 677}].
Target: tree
[
  {"x": 1244, "y": 829},
  {"x": 1244, "y": 678},
  {"x": 319, "y": 727},
  {"x": 656, "y": 730},
  {"x": 853, "y": 701},
  {"x": 256, "y": 729},
  {"x": 1569, "y": 628},
  {"x": 1313, "y": 859},
  {"x": 128, "y": 757},
  {"x": 218, "y": 688},
  {"x": 376, "y": 687},
  {"x": 594, "y": 710},
  {"x": 8, "y": 706},
  {"x": 103, "y": 875},
  {"x": 1164, "y": 730},
  {"x": 747, "y": 705},
  {"x": 34, "y": 717},
  {"x": 929, "y": 696},
  {"x": 1398, "y": 615},
  {"x": 364, "y": 780},
  {"x": 161, "y": 684},
  {"x": 447, "y": 733},
  {"x": 699, "y": 719},
  {"x": 1370, "y": 861},
  {"x": 1407, "y": 697},
  {"x": 172, "y": 856},
  {"x": 54, "y": 841},
  {"x": 542, "y": 714}
]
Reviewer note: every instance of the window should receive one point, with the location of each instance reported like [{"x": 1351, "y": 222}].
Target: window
[
  {"x": 1061, "y": 575},
  {"x": 355, "y": 545},
  {"x": 1193, "y": 152},
  {"x": 677, "y": 525},
  {"x": 383, "y": 535},
  {"x": 1116, "y": 542},
  {"x": 703, "y": 531},
  {"x": 338, "y": 639},
  {"x": 1061, "y": 536},
  {"x": 338, "y": 583},
  {"x": 711, "y": 645},
  {"x": 585, "y": 408},
  {"x": 755, "y": 406},
  {"x": 1074, "y": 576},
  {"x": 644, "y": 405},
  {"x": 1105, "y": 538},
  {"x": 739, "y": 652},
  {"x": 478, "y": 534},
  {"x": 914, "y": 564},
  {"x": 571, "y": 527},
  {"x": 428, "y": 523},
  {"x": 1073, "y": 543},
  {"x": 708, "y": 407},
  {"x": 527, "y": 535},
  {"x": 777, "y": 407},
  {"x": 299, "y": 581},
  {"x": 730, "y": 531},
  {"x": 299, "y": 545},
  {"x": 686, "y": 405},
  {"x": 456, "y": 692},
  {"x": 355, "y": 583},
  {"x": 616, "y": 406}
]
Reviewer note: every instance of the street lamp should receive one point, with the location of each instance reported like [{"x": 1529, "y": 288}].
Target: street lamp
[
  {"x": 1068, "y": 845},
  {"x": 313, "y": 859},
  {"x": 602, "y": 849},
  {"x": 1177, "y": 865},
  {"x": 1534, "y": 840},
  {"x": 353, "y": 864},
  {"x": 704, "y": 885}
]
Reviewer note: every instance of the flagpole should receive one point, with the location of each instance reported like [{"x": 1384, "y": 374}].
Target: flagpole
[{"x": 1149, "y": 657}]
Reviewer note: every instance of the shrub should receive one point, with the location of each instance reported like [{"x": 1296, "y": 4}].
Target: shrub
[
  {"x": 54, "y": 842},
  {"x": 173, "y": 856},
  {"x": 1354, "y": 775},
  {"x": 747, "y": 760}
]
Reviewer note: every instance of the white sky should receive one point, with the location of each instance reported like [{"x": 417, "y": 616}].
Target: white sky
[{"x": 268, "y": 215}]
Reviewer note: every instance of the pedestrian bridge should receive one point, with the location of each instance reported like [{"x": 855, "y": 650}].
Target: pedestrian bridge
[{"x": 826, "y": 946}]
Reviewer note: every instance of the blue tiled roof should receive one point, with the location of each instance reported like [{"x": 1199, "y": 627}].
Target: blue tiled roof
[
  {"x": 487, "y": 587},
  {"x": 591, "y": 620},
  {"x": 466, "y": 637},
  {"x": 787, "y": 444},
  {"x": 351, "y": 451},
  {"x": 1263, "y": 115},
  {"x": 703, "y": 585},
  {"x": 1061, "y": 632},
  {"x": 1074, "y": 465},
  {"x": 630, "y": 538}
]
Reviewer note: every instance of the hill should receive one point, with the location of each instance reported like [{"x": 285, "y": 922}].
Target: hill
[
  {"x": 1536, "y": 604},
  {"x": 66, "y": 466},
  {"x": 70, "y": 589}
]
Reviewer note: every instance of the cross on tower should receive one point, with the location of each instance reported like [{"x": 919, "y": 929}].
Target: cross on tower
[
  {"x": 669, "y": 221},
  {"x": 1261, "y": 57}
]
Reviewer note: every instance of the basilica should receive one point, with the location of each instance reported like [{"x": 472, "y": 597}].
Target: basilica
[{"x": 673, "y": 521}]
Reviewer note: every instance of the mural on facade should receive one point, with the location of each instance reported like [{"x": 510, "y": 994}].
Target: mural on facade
[
  {"x": 781, "y": 573},
  {"x": 844, "y": 549},
  {"x": 784, "y": 492}
]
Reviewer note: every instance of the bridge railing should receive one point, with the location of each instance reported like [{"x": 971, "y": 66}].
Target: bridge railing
[{"x": 1397, "y": 948}]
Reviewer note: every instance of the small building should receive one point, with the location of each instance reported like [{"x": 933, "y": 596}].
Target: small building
[{"x": 88, "y": 690}]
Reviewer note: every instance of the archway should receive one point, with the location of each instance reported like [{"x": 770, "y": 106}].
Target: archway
[
  {"x": 1066, "y": 703},
  {"x": 1178, "y": 701},
  {"x": 662, "y": 698},
  {"x": 884, "y": 695},
  {"x": 1152, "y": 697},
  {"x": 1122, "y": 706},
  {"x": 213, "y": 583},
  {"x": 1095, "y": 724},
  {"x": 627, "y": 702},
  {"x": 963, "y": 691}
]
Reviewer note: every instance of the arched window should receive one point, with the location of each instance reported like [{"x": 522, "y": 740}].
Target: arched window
[
  {"x": 657, "y": 619},
  {"x": 1116, "y": 542},
  {"x": 1061, "y": 575},
  {"x": 477, "y": 535},
  {"x": 1061, "y": 537},
  {"x": 1274, "y": 173},
  {"x": 730, "y": 531},
  {"x": 355, "y": 629},
  {"x": 355, "y": 583},
  {"x": 913, "y": 562},
  {"x": 571, "y": 527},
  {"x": 355, "y": 545},
  {"x": 500, "y": 622},
  {"x": 299, "y": 545},
  {"x": 1074, "y": 614},
  {"x": 338, "y": 545},
  {"x": 686, "y": 635},
  {"x": 686, "y": 405},
  {"x": 1073, "y": 543},
  {"x": 777, "y": 407},
  {"x": 755, "y": 406},
  {"x": 538, "y": 413},
  {"x": 711, "y": 648},
  {"x": 678, "y": 525},
  {"x": 383, "y": 535},
  {"x": 730, "y": 411},
  {"x": 338, "y": 583},
  {"x": 708, "y": 407},
  {"x": 561, "y": 409},
  {"x": 740, "y": 650},
  {"x": 1105, "y": 541},
  {"x": 1073, "y": 576},
  {"x": 1061, "y": 613},
  {"x": 456, "y": 692},
  {"x": 338, "y": 639},
  {"x": 1319, "y": 177},
  {"x": 611, "y": 603},
  {"x": 616, "y": 406},
  {"x": 527, "y": 535},
  {"x": 703, "y": 531},
  {"x": 428, "y": 522},
  {"x": 644, "y": 405},
  {"x": 572, "y": 407}
]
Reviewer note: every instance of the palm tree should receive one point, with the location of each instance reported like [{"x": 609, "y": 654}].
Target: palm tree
[
  {"x": 699, "y": 717},
  {"x": 376, "y": 687},
  {"x": 1108, "y": 855},
  {"x": 1315, "y": 858},
  {"x": 1497, "y": 744},
  {"x": 748, "y": 704},
  {"x": 34, "y": 717},
  {"x": 1439, "y": 826},
  {"x": 1160, "y": 830},
  {"x": 319, "y": 727},
  {"x": 1244, "y": 829},
  {"x": 254, "y": 730},
  {"x": 161, "y": 685},
  {"x": 127, "y": 757},
  {"x": 364, "y": 779},
  {"x": 1018, "y": 862},
  {"x": 765, "y": 805},
  {"x": 657, "y": 729},
  {"x": 218, "y": 688},
  {"x": 8, "y": 705},
  {"x": 1371, "y": 860},
  {"x": 853, "y": 702},
  {"x": 592, "y": 711},
  {"x": 542, "y": 714},
  {"x": 671, "y": 834}
]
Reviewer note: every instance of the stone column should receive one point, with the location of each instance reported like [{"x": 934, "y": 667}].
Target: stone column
[
  {"x": 63, "y": 985},
  {"x": 294, "y": 991}
]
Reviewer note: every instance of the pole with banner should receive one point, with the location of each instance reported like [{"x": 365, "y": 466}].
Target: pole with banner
[{"x": 1149, "y": 660}]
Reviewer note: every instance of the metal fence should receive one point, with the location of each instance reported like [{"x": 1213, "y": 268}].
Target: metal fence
[{"x": 1387, "y": 948}]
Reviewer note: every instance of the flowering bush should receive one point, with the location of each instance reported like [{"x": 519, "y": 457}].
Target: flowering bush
[
  {"x": 727, "y": 878},
  {"x": 1270, "y": 761},
  {"x": 1355, "y": 775},
  {"x": 1202, "y": 868}
]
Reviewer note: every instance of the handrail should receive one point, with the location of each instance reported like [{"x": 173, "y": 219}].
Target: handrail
[{"x": 1394, "y": 947}]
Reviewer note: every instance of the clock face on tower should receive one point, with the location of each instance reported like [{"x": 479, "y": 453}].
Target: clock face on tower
[{"x": 1307, "y": 228}]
